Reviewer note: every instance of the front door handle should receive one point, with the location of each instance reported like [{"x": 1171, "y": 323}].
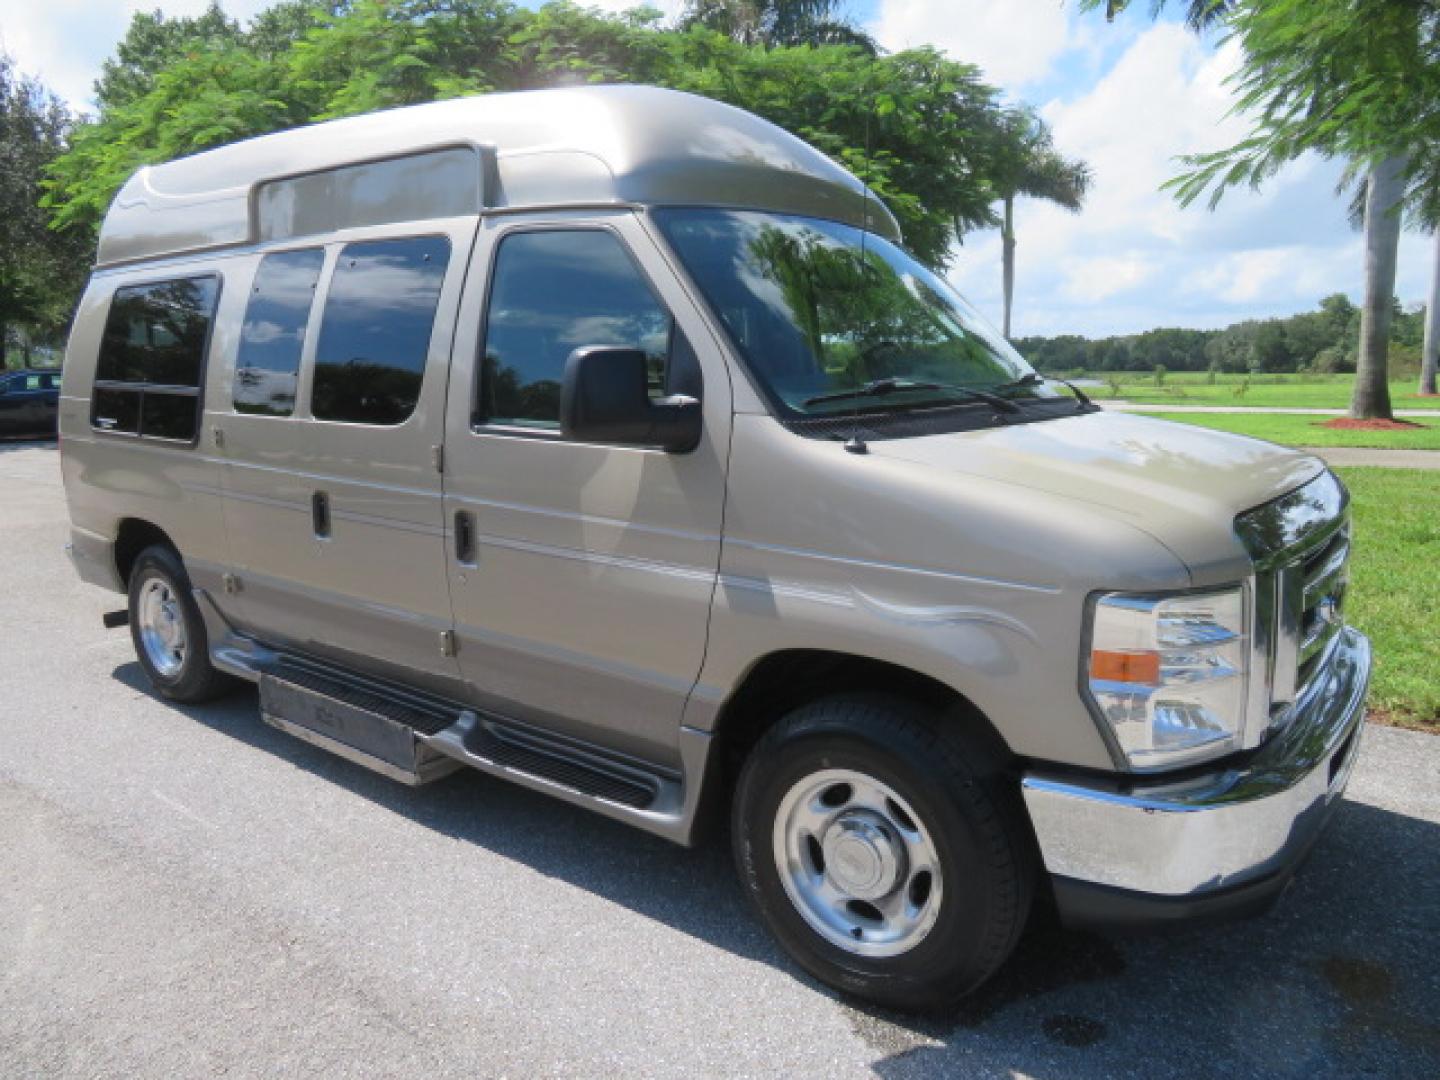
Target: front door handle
[
  {"x": 465, "y": 537},
  {"x": 320, "y": 514}
]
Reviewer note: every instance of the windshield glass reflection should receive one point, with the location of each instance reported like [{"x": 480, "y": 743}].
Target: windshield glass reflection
[{"x": 830, "y": 319}]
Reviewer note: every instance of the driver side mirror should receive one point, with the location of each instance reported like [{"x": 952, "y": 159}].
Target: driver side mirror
[{"x": 605, "y": 398}]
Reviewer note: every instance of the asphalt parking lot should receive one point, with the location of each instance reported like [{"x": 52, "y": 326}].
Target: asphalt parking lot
[{"x": 186, "y": 892}]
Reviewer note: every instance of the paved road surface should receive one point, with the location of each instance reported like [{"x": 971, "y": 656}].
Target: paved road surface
[{"x": 185, "y": 892}]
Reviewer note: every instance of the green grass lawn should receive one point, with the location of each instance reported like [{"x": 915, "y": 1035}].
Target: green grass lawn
[
  {"x": 1394, "y": 592},
  {"x": 1310, "y": 430},
  {"x": 1262, "y": 391}
]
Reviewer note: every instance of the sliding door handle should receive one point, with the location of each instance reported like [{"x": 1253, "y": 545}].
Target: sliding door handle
[
  {"x": 320, "y": 514},
  {"x": 465, "y": 537}
]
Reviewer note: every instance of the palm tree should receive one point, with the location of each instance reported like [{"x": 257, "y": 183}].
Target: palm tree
[
  {"x": 1431, "y": 353},
  {"x": 1425, "y": 213},
  {"x": 1315, "y": 89},
  {"x": 774, "y": 23},
  {"x": 1199, "y": 14},
  {"x": 1030, "y": 166},
  {"x": 1384, "y": 196}
]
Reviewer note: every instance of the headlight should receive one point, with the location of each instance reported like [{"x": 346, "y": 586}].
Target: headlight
[{"x": 1167, "y": 673}]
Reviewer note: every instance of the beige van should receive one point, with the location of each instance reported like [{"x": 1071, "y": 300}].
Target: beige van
[{"x": 608, "y": 440}]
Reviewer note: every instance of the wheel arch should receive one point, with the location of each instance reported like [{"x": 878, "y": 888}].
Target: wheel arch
[
  {"x": 132, "y": 536},
  {"x": 783, "y": 681}
]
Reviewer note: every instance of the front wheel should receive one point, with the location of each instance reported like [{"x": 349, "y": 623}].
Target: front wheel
[{"x": 884, "y": 853}]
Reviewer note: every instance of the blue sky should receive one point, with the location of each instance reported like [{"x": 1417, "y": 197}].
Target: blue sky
[{"x": 1126, "y": 98}]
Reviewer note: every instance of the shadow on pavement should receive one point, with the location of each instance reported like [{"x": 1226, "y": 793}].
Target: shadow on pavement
[{"x": 1342, "y": 979}]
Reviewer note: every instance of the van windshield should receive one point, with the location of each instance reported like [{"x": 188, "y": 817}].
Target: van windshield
[{"x": 831, "y": 324}]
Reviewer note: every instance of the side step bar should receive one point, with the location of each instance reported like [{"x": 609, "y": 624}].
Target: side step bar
[
  {"x": 358, "y": 725},
  {"x": 415, "y": 740},
  {"x": 415, "y": 775},
  {"x": 485, "y": 743}
]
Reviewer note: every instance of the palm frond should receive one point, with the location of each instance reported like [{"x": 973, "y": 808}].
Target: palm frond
[{"x": 1199, "y": 14}]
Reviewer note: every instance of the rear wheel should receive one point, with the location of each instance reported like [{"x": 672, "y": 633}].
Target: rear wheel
[
  {"x": 883, "y": 850},
  {"x": 168, "y": 630}
]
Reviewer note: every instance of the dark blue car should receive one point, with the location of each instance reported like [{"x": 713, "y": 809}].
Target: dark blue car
[{"x": 29, "y": 401}]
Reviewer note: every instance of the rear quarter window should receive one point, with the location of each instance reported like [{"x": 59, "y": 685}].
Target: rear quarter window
[{"x": 152, "y": 358}]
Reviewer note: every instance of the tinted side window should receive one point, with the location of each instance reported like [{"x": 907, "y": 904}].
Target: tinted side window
[
  {"x": 375, "y": 333},
  {"x": 156, "y": 333},
  {"x": 274, "y": 332},
  {"x": 553, "y": 292},
  {"x": 152, "y": 358}
]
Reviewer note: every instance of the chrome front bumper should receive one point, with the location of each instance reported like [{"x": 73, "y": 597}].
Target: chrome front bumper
[{"x": 1180, "y": 843}]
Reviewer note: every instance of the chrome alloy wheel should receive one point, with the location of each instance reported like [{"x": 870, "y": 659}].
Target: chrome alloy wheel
[
  {"x": 162, "y": 627},
  {"x": 857, "y": 863}
]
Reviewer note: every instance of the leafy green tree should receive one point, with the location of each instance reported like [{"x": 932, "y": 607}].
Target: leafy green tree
[
  {"x": 1270, "y": 351},
  {"x": 778, "y": 22},
  {"x": 40, "y": 270},
  {"x": 1029, "y": 165},
  {"x": 1323, "y": 340},
  {"x": 152, "y": 43},
  {"x": 920, "y": 129},
  {"x": 564, "y": 45},
  {"x": 1338, "y": 312},
  {"x": 205, "y": 99},
  {"x": 275, "y": 30}
]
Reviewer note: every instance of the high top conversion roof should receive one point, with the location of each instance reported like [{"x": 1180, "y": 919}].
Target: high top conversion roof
[{"x": 581, "y": 146}]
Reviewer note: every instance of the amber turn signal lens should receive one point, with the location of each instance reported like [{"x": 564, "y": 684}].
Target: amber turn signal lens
[{"x": 1128, "y": 667}]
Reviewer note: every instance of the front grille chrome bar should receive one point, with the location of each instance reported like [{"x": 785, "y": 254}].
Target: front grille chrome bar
[{"x": 1300, "y": 544}]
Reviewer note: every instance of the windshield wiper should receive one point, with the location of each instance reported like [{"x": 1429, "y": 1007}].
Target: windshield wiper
[
  {"x": 1031, "y": 378},
  {"x": 881, "y": 387},
  {"x": 1080, "y": 395}
]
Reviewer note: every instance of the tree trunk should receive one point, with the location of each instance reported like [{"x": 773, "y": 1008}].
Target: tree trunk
[
  {"x": 1432, "y": 328},
  {"x": 1384, "y": 190},
  {"x": 1007, "y": 235}
]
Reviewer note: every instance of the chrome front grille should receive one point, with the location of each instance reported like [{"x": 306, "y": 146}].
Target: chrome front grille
[
  {"x": 1322, "y": 579},
  {"x": 1300, "y": 545}
]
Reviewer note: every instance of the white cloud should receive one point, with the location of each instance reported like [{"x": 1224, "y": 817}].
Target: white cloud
[
  {"x": 1134, "y": 259},
  {"x": 1015, "y": 42},
  {"x": 1163, "y": 98},
  {"x": 1103, "y": 276},
  {"x": 63, "y": 42}
]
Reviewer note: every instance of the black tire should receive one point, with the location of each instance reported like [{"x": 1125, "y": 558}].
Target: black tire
[
  {"x": 196, "y": 679},
  {"x": 970, "y": 810}
]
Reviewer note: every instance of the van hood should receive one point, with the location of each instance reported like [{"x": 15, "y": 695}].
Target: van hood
[{"x": 1184, "y": 485}]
